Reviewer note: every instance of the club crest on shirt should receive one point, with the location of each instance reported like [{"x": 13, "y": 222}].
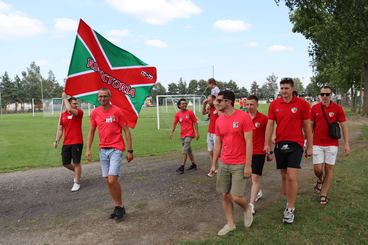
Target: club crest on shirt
[
  {"x": 257, "y": 124},
  {"x": 235, "y": 124},
  {"x": 110, "y": 119},
  {"x": 186, "y": 116},
  {"x": 70, "y": 117},
  {"x": 331, "y": 114},
  {"x": 180, "y": 120},
  {"x": 294, "y": 110}
]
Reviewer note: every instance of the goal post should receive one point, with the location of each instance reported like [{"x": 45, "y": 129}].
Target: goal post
[{"x": 166, "y": 108}]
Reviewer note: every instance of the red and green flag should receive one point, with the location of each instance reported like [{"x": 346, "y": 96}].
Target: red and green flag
[{"x": 97, "y": 63}]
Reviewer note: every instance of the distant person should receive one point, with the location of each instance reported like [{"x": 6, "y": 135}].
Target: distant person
[
  {"x": 189, "y": 130},
  {"x": 259, "y": 155},
  {"x": 324, "y": 146},
  {"x": 234, "y": 131},
  {"x": 292, "y": 117},
  {"x": 212, "y": 84},
  {"x": 209, "y": 108},
  {"x": 110, "y": 122},
  {"x": 71, "y": 125}
]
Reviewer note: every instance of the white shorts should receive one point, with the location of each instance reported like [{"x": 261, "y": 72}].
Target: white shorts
[
  {"x": 324, "y": 154},
  {"x": 211, "y": 138}
]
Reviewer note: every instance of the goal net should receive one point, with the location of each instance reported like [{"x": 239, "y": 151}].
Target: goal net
[
  {"x": 166, "y": 108},
  {"x": 52, "y": 107}
]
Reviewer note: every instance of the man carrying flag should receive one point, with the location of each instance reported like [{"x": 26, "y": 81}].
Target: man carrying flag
[{"x": 110, "y": 121}]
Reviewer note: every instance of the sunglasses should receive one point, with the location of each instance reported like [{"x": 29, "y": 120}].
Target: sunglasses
[
  {"x": 325, "y": 94},
  {"x": 286, "y": 79}
]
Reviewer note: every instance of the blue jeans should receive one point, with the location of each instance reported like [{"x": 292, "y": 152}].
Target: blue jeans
[{"x": 110, "y": 160}]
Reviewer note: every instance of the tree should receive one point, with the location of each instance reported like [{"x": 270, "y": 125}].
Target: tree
[
  {"x": 158, "y": 89},
  {"x": 182, "y": 87},
  {"x": 32, "y": 80},
  {"x": 231, "y": 85},
  {"x": 298, "y": 86},
  {"x": 312, "y": 89},
  {"x": 20, "y": 93},
  {"x": 172, "y": 88},
  {"x": 8, "y": 92},
  {"x": 243, "y": 92},
  {"x": 193, "y": 87},
  {"x": 272, "y": 85},
  {"x": 254, "y": 89},
  {"x": 203, "y": 88}
]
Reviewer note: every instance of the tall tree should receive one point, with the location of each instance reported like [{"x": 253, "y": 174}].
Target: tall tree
[
  {"x": 254, "y": 88},
  {"x": 298, "y": 85},
  {"x": 173, "y": 89},
  {"x": 203, "y": 88},
  {"x": 158, "y": 89},
  {"x": 7, "y": 89},
  {"x": 243, "y": 92},
  {"x": 193, "y": 87},
  {"x": 32, "y": 80},
  {"x": 182, "y": 87}
]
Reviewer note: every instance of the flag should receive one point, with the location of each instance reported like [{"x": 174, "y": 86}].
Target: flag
[{"x": 97, "y": 63}]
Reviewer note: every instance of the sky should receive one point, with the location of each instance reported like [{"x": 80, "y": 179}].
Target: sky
[{"x": 240, "y": 40}]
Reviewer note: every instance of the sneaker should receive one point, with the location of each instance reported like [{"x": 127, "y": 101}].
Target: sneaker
[
  {"x": 119, "y": 213},
  {"x": 193, "y": 166},
  {"x": 252, "y": 208},
  {"x": 259, "y": 195},
  {"x": 226, "y": 229},
  {"x": 288, "y": 216},
  {"x": 75, "y": 187},
  {"x": 180, "y": 170},
  {"x": 248, "y": 217},
  {"x": 113, "y": 213}
]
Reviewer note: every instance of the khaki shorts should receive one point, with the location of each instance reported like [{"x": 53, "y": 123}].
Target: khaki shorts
[
  {"x": 324, "y": 154},
  {"x": 230, "y": 179},
  {"x": 187, "y": 149}
]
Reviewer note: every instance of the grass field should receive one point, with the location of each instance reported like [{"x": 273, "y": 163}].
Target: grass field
[
  {"x": 26, "y": 141},
  {"x": 342, "y": 221}
]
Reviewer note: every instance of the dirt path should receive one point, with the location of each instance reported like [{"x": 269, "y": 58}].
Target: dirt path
[{"x": 37, "y": 207}]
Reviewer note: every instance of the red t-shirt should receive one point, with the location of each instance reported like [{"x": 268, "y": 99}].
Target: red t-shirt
[
  {"x": 72, "y": 126},
  {"x": 109, "y": 124},
  {"x": 231, "y": 131},
  {"x": 260, "y": 123},
  {"x": 334, "y": 113},
  {"x": 213, "y": 117},
  {"x": 186, "y": 119},
  {"x": 289, "y": 118}
]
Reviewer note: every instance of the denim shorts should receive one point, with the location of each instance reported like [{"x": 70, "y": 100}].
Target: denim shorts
[{"x": 110, "y": 159}]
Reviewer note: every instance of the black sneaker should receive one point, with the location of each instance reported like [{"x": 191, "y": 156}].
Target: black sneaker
[
  {"x": 180, "y": 170},
  {"x": 119, "y": 214},
  {"x": 193, "y": 166},
  {"x": 113, "y": 213}
]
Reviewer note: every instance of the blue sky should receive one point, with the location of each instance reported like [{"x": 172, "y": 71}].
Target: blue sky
[{"x": 244, "y": 40}]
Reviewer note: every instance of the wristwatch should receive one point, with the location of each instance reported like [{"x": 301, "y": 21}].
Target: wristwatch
[{"x": 130, "y": 151}]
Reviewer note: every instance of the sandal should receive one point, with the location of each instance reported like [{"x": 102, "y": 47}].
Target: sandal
[
  {"x": 211, "y": 173},
  {"x": 318, "y": 187},
  {"x": 323, "y": 200}
]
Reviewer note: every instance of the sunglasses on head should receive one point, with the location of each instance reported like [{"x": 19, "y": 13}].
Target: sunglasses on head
[
  {"x": 325, "y": 94},
  {"x": 286, "y": 79}
]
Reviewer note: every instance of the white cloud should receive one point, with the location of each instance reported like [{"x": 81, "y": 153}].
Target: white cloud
[
  {"x": 15, "y": 24},
  {"x": 156, "y": 43},
  {"x": 231, "y": 25},
  {"x": 280, "y": 48},
  {"x": 253, "y": 44},
  {"x": 65, "y": 25},
  {"x": 157, "y": 12},
  {"x": 116, "y": 35}
]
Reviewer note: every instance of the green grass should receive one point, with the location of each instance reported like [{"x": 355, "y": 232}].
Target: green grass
[{"x": 342, "y": 221}]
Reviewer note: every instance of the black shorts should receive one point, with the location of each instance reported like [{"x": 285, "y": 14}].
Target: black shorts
[
  {"x": 257, "y": 164},
  {"x": 290, "y": 159},
  {"x": 69, "y": 152}
]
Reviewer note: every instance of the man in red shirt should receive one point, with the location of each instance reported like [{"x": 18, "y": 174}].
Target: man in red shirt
[
  {"x": 211, "y": 136},
  {"x": 292, "y": 116},
  {"x": 259, "y": 155},
  {"x": 110, "y": 122},
  {"x": 189, "y": 130},
  {"x": 234, "y": 131},
  {"x": 324, "y": 146},
  {"x": 71, "y": 125}
]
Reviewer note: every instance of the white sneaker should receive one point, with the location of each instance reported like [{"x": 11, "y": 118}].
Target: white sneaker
[
  {"x": 248, "y": 216},
  {"x": 226, "y": 229},
  {"x": 75, "y": 187},
  {"x": 252, "y": 208},
  {"x": 259, "y": 195}
]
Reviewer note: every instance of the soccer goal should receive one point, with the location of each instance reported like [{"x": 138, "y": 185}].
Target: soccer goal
[
  {"x": 52, "y": 107},
  {"x": 166, "y": 107}
]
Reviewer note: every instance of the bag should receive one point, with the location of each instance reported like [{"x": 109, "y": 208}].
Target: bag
[
  {"x": 333, "y": 128},
  {"x": 286, "y": 146}
]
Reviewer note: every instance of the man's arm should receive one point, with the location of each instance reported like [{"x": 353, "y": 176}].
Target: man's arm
[
  {"x": 205, "y": 109},
  {"x": 249, "y": 152},
  {"x": 91, "y": 135},
  {"x": 59, "y": 135},
  {"x": 129, "y": 142},
  {"x": 268, "y": 136},
  {"x": 196, "y": 132},
  {"x": 68, "y": 106},
  {"x": 309, "y": 136},
  {"x": 345, "y": 135},
  {"x": 172, "y": 130},
  {"x": 216, "y": 153}
]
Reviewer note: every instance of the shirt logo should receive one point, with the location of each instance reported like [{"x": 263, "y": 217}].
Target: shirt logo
[
  {"x": 186, "y": 116},
  {"x": 285, "y": 147},
  {"x": 294, "y": 110},
  {"x": 257, "y": 124},
  {"x": 331, "y": 114},
  {"x": 110, "y": 119},
  {"x": 180, "y": 120},
  {"x": 235, "y": 124},
  {"x": 277, "y": 110},
  {"x": 70, "y": 117}
]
